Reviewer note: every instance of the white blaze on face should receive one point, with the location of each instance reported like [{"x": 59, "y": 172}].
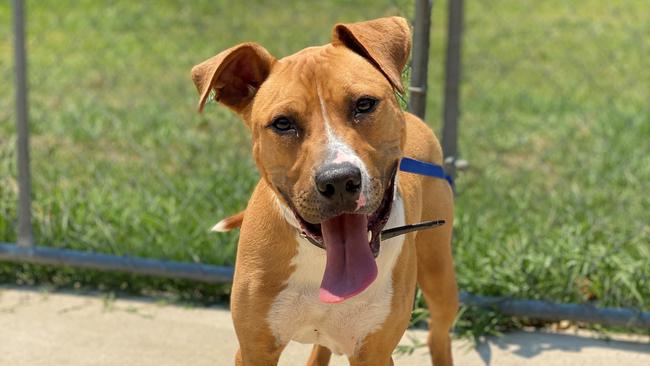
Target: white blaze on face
[{"x": 338, "y": 152}]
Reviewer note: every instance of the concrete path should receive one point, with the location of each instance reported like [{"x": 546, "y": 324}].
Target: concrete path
[{"x": 41, "y": 328}]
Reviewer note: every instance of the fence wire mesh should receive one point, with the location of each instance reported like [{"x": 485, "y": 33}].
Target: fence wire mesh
[{"x": 554, "y": 123}]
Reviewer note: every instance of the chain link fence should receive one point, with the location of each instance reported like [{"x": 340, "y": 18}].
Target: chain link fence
[{"x": 554, "y": 125}]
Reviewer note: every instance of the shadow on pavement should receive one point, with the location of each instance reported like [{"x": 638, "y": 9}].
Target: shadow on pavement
[{"x": 531, "y": 344}]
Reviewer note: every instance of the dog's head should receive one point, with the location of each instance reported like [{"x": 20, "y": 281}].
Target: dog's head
[{"x": 327, "y": 128}]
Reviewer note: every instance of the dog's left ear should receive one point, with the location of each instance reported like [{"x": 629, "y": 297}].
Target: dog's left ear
[{"x": 385, "y": 42}]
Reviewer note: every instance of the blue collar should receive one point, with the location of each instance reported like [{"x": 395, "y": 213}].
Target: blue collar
[{"x": 410, "y": 165}]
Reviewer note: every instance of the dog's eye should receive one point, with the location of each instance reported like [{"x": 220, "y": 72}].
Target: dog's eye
[
  {"x": 364, "y": 105},
  {"x": 283, "y": 125}
]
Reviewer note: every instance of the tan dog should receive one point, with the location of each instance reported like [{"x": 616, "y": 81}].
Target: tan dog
[{"x": 328, "y": 133}]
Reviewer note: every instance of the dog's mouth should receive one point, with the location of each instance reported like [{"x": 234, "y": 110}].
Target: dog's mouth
[
  {"x": 351, "y": 242},
  {"x": 375, "y": 222}
]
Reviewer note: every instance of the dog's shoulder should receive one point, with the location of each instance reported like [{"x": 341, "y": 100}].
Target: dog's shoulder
[{"x": 421, "y": 142}]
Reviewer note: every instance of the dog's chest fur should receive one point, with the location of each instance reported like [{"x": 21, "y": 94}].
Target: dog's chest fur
[{"x": 297, "y": 313}]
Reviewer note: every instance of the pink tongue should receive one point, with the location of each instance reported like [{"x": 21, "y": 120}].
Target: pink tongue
[{"x": 350, "y": 267}]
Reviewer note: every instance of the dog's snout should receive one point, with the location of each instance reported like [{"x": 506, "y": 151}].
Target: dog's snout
[{"x": 339, "y": 181}]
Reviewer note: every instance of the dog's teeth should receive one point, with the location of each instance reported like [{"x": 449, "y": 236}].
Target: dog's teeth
[{"x": 369, "y": 236}]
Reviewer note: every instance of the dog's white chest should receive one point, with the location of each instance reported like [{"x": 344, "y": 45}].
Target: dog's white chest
[{"x": 297, "y": 313}]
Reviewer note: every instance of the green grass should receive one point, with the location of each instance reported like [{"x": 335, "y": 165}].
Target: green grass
[{"x": 555, "y": 124}]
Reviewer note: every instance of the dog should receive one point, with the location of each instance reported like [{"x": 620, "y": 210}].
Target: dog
[{"x": 328, "y": 134}]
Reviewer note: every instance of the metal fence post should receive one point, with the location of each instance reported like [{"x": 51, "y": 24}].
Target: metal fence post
[
  {"x": 25, "y": 236},
  {"x": 452, "y": 82},
  {"x": 420, "y": 60}
]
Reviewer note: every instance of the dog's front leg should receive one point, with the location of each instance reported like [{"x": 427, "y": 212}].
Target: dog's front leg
[
  {"x": 377, "y": 359},
  {"x": 378, "y": 347},
  {"x": 257, "y": 346},
  {"x": 256, "y": 358}
]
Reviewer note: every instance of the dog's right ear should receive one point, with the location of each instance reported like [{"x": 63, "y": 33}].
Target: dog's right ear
[{"x": 234, "y": 75}]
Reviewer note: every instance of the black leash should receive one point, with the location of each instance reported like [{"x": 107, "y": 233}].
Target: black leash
[{"x": 401, "y": 230}]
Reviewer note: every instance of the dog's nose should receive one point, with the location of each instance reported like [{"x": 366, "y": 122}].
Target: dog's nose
[{"x": 339, "y": 181}]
